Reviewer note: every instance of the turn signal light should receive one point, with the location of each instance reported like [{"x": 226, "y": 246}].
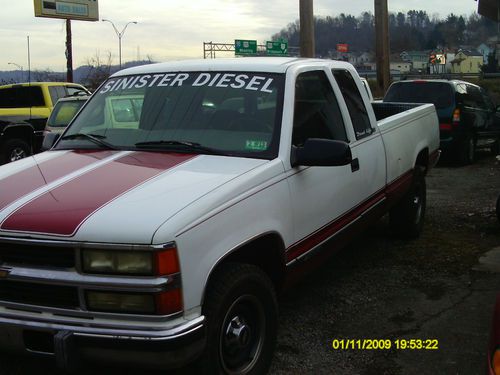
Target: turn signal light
[
  {"x": 167, "y": 262},
  {"x": 496, "y": 362},
  {"x": 169, "y": 302},
  {"x": 456, "y": 116}
]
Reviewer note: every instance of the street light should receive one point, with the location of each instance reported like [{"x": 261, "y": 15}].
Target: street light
[
  {"x": 19, "y": 67},
  {"x": 120, "y": 36}
]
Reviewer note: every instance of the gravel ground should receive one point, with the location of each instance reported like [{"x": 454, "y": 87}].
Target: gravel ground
[{"x": 380, "y": 287}]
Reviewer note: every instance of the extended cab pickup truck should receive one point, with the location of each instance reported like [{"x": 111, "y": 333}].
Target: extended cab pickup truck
[
  {"x": 159, "y": 228},
  {"x": 24, "y": 109}
]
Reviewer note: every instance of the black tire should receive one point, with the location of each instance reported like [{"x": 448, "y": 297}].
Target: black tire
[
  {"x": 242, "y": 312},
  {"x": 407, "y": 217},
  {"x": 14, "y": 149},
  {"x": 495, "y": 148},
  {"x": 498, "y": 208},
  {"x": 467, "y": 150}
]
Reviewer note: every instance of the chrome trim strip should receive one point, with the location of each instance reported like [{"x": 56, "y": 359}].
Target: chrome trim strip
[
  {"x": 73, "y": 279},
  {"x": 133, "y": 334},
  {"x": 86, "y": 245},
  {"x": 340, "y": 231},
  {"x": 79, "y": 317}
]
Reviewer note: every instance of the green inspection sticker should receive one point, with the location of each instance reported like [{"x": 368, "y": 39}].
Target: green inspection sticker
[{"x": 256, "y": 145}]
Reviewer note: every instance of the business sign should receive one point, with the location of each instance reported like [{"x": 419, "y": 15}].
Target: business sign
[
  {"x": 245, "y": 47},
  {"x": 84, "y": 10},
  {"x": 437, "y": 59},
  {"x": 277, "y": 48},
  {"x": 342, "y": 47}
]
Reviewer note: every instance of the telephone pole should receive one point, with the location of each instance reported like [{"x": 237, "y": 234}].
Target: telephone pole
[
  {"x": 69, "y": 53},
  {"x": 382, "y": 44},
  {"x": 306, "y": 28}
]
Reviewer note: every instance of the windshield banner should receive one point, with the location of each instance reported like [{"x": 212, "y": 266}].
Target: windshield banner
[{"x": 232, "y": 80}]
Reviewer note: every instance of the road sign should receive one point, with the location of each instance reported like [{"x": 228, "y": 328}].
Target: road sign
[
  {"x": 84, "y": 10},
  {"x": 277, "y": 48},
  {"x": 245, "y": 47}
]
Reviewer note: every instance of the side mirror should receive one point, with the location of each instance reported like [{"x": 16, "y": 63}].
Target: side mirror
[
  {"x": 322, "y": 153},
  {"x": 49, "y": 140}
]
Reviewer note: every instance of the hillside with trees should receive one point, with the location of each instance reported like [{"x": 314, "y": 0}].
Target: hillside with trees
[{"x": 415, "y": 30}]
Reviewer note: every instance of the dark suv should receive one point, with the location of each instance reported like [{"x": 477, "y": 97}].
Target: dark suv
[{"x": 468, "y": 119}]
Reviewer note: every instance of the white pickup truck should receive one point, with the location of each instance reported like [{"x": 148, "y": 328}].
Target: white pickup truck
[{"x": 159, "y": 228}]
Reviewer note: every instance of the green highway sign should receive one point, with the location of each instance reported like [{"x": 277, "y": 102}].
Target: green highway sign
[
  {"x": 277, "y": 48},
  {"x": 245, "y": 47}
]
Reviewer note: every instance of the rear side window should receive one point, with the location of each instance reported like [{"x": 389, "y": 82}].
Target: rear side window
[
  {"x": 21, "y": 97},
  {"x": 56, "y": 93},
  {"x": 64, "y": 112},
  {"x": 354, "y": 102},
  {"x": 440, "y": 94},
  {"x": 317, "y": 113}
]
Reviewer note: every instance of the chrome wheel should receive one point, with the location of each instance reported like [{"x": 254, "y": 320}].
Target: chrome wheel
[{"x": 17, "y": 154}]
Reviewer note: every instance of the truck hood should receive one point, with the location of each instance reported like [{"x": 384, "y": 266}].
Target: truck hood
[{"x": 109, "y": 196}]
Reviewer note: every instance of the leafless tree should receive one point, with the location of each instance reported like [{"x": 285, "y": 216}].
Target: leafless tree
[{"x": 99, "y": 69}]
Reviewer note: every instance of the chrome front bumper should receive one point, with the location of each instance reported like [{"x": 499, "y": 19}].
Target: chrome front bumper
[{"x": 70, "y": 345}]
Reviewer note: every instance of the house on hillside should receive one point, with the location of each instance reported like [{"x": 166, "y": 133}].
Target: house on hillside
[
  {"x": 418, "y": 59},
  {"x": 467, "y": 61},
  {"x": 400, "y": 65}
]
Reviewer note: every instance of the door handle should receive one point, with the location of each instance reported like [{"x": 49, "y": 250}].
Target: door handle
[{"x": 355, "y": 165}]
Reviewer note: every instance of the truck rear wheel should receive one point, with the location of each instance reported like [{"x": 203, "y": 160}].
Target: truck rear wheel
[
  {"x": 467, "y": 150},
  {"x": 14, "y": 149},
  {"x": 407, "y": 217},
  {"x": 241, "y": 311}
]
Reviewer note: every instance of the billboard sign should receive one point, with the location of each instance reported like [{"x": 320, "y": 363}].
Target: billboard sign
[
  {"x": 84, "y": 10},
  {"x": 342, "y": 47}
]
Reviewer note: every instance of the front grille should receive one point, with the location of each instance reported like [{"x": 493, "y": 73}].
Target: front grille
[
  {"x": 39, "y": 294},
  {"x": 36, "y": 255}
]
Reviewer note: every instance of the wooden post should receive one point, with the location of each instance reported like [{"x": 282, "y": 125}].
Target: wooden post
[
  {"x": 382, "y": 44},
  {"x": 306, "y": 28},
  {"x": 69, "y": 52}
]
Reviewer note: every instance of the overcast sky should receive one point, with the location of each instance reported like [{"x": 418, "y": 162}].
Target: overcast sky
[{"x": 169, "y": 29}]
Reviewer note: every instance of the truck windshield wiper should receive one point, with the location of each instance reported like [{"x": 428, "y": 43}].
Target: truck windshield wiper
[
  {"x": 96, "y": 138},
  {"x": 185, "y": 145}
]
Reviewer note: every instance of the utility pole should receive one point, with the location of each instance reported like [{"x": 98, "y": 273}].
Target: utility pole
[
  {"x": 382, "y": 44},
  {"x": 306, "y": 28},
  {"x": 69, "y": 52}
]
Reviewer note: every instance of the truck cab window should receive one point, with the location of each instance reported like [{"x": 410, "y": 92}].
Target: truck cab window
[
  {"x": 354, "y": 102},
  {"x": 316, "y": 112}
]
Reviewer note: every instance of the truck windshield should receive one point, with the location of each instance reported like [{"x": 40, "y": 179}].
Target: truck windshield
[{"x": 219, "y": 112}]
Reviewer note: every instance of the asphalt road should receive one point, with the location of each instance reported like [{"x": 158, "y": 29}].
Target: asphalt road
[{"x": 440, "y": 287}]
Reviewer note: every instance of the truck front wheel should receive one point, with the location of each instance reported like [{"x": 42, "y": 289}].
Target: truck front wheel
[
  {"x": 407, "y": 217},
  {"x": 241, "y": 311},
  {"x": 14, "y": 149}
]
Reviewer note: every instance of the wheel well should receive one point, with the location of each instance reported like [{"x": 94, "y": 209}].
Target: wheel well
[
  {"x": 23, "y": 132},
  {"x": 423, "y": 159},
  {"x": 265, "y": 252}
]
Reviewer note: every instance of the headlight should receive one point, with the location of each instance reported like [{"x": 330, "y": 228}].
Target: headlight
[
  {"x": 133, "y": 263},
  {"x": 162, "y": 303},
  {"x": 121, "y": 302},
  {"x": 138, "y": 263}
]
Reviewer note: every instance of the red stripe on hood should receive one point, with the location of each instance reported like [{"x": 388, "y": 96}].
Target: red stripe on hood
[
  {"x": 18, "y": 185},
  {"x": 63, "y": 210}
]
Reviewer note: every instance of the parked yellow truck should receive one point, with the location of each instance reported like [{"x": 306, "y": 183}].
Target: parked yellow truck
[{"x": 24, "y": 109}]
